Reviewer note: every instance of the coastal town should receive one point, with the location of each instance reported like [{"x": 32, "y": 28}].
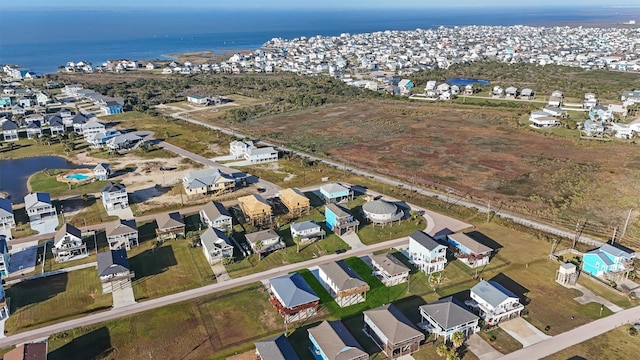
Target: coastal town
[{"x": 258, "y": 250}]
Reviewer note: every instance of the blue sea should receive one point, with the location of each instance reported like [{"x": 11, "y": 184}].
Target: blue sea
[{"x": 41, "y": 41}]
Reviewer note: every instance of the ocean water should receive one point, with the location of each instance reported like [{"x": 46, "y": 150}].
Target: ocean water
[{"x": 41, "y": 41}]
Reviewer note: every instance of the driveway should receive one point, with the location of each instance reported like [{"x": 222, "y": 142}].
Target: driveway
[
  {"x": 521, "y": 330},
  {"x": 481, "y": 349},
  {"x": 123, "y": 297},
  {"x": 45, "y": 226},
  {"x": 353, "y": 240},
  {"x": 588, "y": 296},
  {"x": 220, "y": 272},
  {"x": 125, "y": 213}
]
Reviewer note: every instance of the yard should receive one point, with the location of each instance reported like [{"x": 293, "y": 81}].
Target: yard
[
  {"x": 613, "y": 345},
  {"x": 46, "y": 181}
]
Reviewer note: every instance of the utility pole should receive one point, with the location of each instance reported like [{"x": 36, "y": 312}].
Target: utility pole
[
  {"x": 624, "y": 229},
  {"x": 44, "y": 255},
  {"x": 488, "y": 211},
  {"x": 613, "y": 238}
]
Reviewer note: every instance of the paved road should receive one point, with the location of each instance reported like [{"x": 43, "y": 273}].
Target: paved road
[
  {"x": 443, "y": 197},
  {"x": 189, "y": 294},
  {"x": 575, "y": 336}
]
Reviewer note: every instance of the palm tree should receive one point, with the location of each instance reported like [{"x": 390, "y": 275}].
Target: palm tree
[
  {"x": 296, "y": 239},
  {"x": 457, "y": 338},
  {"x": 442, "y": 350},
  {"x": 453, "y": 355},
  {"x": 258, "y": 249}
]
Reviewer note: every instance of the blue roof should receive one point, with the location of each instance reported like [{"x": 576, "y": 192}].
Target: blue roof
[
  {"x": 276, "y": 348},
  {"x": 293, "y": 290}
]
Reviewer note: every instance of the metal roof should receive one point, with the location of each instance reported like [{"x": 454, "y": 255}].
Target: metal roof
[
  {"x": 492, "y": 292},
  {"x": 276, "y": 348},
  {"x": 341, "y": 278},
  {"x": 305, "y": 225},
  {"x": 213, "y": 210},
  {"x": 448, "y": 313},
  {"x": 395, "y": 326},
  {"x": 380, "y": 207},
  {"x": 389, "y": 264},
  {"x": 425, "y": 240},
  {"x": 293, "y": 290},
  {"x": 470, "y": 243},
  {"x": 335, "y": 341}
]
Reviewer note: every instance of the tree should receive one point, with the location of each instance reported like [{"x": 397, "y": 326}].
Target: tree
[
  {"x": 442, "y": 350},
  {"x": 453, "y": 355},
  {"x": 457, "y": 338},
  {"x": 258, "y": 249},
  {"x": 297, "y": 240}
]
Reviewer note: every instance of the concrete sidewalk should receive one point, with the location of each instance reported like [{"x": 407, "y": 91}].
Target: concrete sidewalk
[{"x": 481, "y": 349}]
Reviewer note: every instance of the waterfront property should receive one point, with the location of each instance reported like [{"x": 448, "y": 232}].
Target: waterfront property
[
  {"x": 331, "y": 340},
  {"x": 34, "y": 130},
  {"x": 208, "y": 181},
  {"x": 124, "y": 142},
  {"x": 275, "y": 348},
  {"x": 114, "y": 270},
  {"x": 122, "y": 234},
  {"x": 68, "y": 244},
  {"x": 292, "y": 297},
  {"x": 340, "y": 220},
  {"x": 380, "y": 212},
  {"x": 92, "y": 127},
  {"x": 306, "y": 230},
  {"x": 170, "y": 226},
  {"x": 100, "y": 139},
  {"x": 392, "y": 331},
  {"x": 39, "y": 206},
  {"x": 493, "y": 302},
  {"x": 426, "y": 253},
  {"x": 56, "y": 125},
  {"x": 343, "y": 283},
  {"x": 102, "y": 171},
  {"x": 216, "y": 246},
  {"x": 389, "y": 269},
  {"x": 214, "y": 214},
  {"x": 114, "y": 196},
  {"x": 611, "y": 261},
  {"x": 446, "y": 316},
  {"x": 256, "y": 155},
  {"x": 4, "y": 257},
  {"x": 265, "y": 242},
  {"x": 9, "y": 130},
  {"x": 256, "y": 210},
  {"x": 295, "y": 201},
  {"x": 7, "y": 221},
  {"x": 468, "y": 250},
  {"x": 335, "y": 193}
]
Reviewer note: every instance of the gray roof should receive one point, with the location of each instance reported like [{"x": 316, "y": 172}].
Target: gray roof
[
  {"x": 169, "y": 220},
  {"x": 5, "y": 207},
  {"x": 492, "y": 292},
  {"x": 380, "y": 207},
  {"x": 261, "y": 236},
  {"x": 32, "y": 199},
  {"x": 92, "y": 123},
  {"x": 56, "y": 121},
  {"x": 213, "y": 238},
  {"x": 213, "y": 210},
  {"x": 470, "y": 243},
  {"x": 338, "y": 210},
  {"x": 113, "y": 187},
  {"x": 293, "y": 290},
  {"x": 102, "y": 166},
  {"x": 112, "y": 262},
  {"x": 333, "y": 188},
  {"x": 124, "y": 138},
  {"x": 335, "y": 341},
  {"x": 390, "y": 264},
  {"x": 448, "y": 313},
  {"x": 206, "y": 177},
  {"x": 67, "y": 228},
  {"x": 615, "y": 251},
  {"x": 8, "y": 125},
  {"x": 305, "y": 225},
  {"x": 122, "y": 227},
  {"x": 393, "y": 323},
  {"x": 79, "y": 119},
  {"x": 34, "y": 125},
  {"x": 252, "y": 150},
  {"x": 276, "y": 348},
  {"x": 344, "y": 280},
  {"x": 425, "y": 240}
]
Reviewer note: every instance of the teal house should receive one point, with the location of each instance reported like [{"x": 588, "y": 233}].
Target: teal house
[
  {"x": 608, "y": 260},
  {"x": 335, "y": 193},
  {"x": 339, "y": 220},
  {"x": 4, "y": 257}
]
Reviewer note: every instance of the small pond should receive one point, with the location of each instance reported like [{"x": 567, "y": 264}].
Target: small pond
[
  {"x": 465, "y": 81},
  {"x": 15, "y": 172}
]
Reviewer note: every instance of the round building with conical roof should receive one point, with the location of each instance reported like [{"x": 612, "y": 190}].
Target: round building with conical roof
[{"x": 381, "y": 212}]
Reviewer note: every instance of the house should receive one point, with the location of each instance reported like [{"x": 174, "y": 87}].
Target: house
[
  {"x": 590, "y": 100},
  {"x": 56, "y": 125},
  {"x": 344, "y": 284},
  {"x": 392, "y": 331},
  {"x": 468, "y": 250},
  {"x": 28, "y": 351},
  {"x": 554, "y": 111},
  {"x": 170, "y": 226},
  {"x": 331, "y": 340},
  {"x": 339, "y": 220},
  {"x": 426, "y": 253},
  {"x": 622, "y": 131},
  {"x": 34, "y": 130},
  {"x": 600, "y": 113},
  {"x": 497, "y": 91},
  {"x": 256, "y": 209},
  {"x": 511, "y": 92},
  {"x": 255, "y": 155},
  {"x": 77, "y": 122},
  {"x": 197, "y": 100},
  {"x": 447, "y": 316},
  {"x": 7, "y": 221},
  {"x": 92, "y": 127},
  {"x": 567, "y": 274},
  {"x": 114, "y": 270},
  {"x": 216, "y": 246},
  {"x": 4, "y": 260},
  {"x": 555, "y": 100},
  {"x": 468, "y": 90},
  {"x": 39, "y": 206},
  {"x": 122, "y": 234},
  {"x": 295, "y": 201},
  {"x": 630, "y": 97},
  {"x": 124, "y": 142},
  {"x": 306, "y": 230},
  {"x": 526, "y": 94},
  {"x": 18, "y": 109},
  {"x": 100, "y": 139},
  {"x": 111, "y": 107},
  {"x": 292, "y": 297},
  {"x": 264, "y": 242},
  {"x": 493, "y": 302},
  {"x": 114, "y": 196},
  {"x": 102, "y": 171},
  {"x": 208, "y": 181},
  {"x": 406, "y": 87},
  {"x": 335, "y": 193},
  {"x": 608, "y": 260},
  {"x": 389, "y": 269},
  {"x": 9, "y": 130},
  {"x": 544, "y": 122},
  {"x": 238, "y": 149},
  {"x": 67, "y": 244},
  {"x": 34, "y": 117},
  {"x": 275, "y": 348},
  {"x": 215, "y": 215},
  {"x": 593, "y": 128}
]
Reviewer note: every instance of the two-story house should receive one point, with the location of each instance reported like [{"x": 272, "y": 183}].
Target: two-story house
[
  {"x": 608, "y": 260},
  {"x": 214, "y": 214},
  {"x": 208, "y": 181},
  {"x": 39, "y": 206},
  {"x": 343, "y": 283},
  {"x": 389, "y": 269},
  {"x": 340, "y": 220},
  {"x": 170, "y": 226},
  {"x": 216, "y": 246},
  {"x": 493, "y": 302},
  {"x": 256, "y": 155},
  {"x": 306, "y": 230},
  {"x": 426, "y": 253},
  {"x": 92, "y": 127},
  {"x": 114, "y": 196},
  {"x": 9, "y": 130},
  {"x": 275, "y": 348},
  {"x": 447, "y": 316},
  {"x": 68, "y": 244},
  {"x": 335, "y": 193},
  {"x": 238, "y": 149},
  {"x": 392, "y": 331},
  {"x": 295, "y": 201},
  {"x": 56, "y": 125},
  {"x": 292, "y": 297},
  {"x": 102, "y": 171},
  {"x": 114, "y": 270},
  {"x": 7, "y": 221},
  {"x": 264, "y": 242},
  {"x": 468, "y": 250},
  {"x": 122, "y": 234}
]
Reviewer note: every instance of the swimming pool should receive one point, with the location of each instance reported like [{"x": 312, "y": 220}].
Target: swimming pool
[
  {"x": 465, "y": 81},
  {"x": 77, "y": 177}
]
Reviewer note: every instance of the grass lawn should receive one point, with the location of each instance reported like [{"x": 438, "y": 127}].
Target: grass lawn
[
  {"x": 41, "y": 302},
  {"x": 500, "y": 340},
  {"x": 46, "y": 181},
  {"x": 296, "y": 172},
  {"x": 613, "y": 345},
  {"x": 100, "y": 240},
  {"x": 604, "y": 291},
  {"x": 93, "y": 212},
  {"x": 22, "y": 229},
  {"x": 26, "y": 148}
]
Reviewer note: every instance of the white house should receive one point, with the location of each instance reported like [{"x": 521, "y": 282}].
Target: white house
[
  {"x": 39, "y": 206},
  {"x": 92, "y": 127},
  {"x": 215, "y": 215},
  {"x": 102, "y": 171},
  {"x": 238, "y": 149},
  {"x": 344, "y": 285},
  {"x": 306, "y": 230},
  {"x": 215, "y": 245},
  {"x": 114, "y": 196},
  {"x": 264, "y": 242},
  {"x": 426, "y": 253},
  {"x": 445, "y": 317},
  {"x": 493, "y": 302},
  {"x": 197, "y": 100},
  {"x": 256, "y": 155},
  {"x": 67, "y": 244},
  {"x": 122, "y": 234},
  {"x": 389, "y": 269},
  {"x": 7, "y": 221},
  {"x": 9, "y": 130},
  {"x": 622, "y": 131}
]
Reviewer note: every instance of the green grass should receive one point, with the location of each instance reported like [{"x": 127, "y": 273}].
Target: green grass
[
  {"x": 23, "y": 228},
  {"x": 604, "y": 291},
  {"x": 36, "y": 303},
  {"x": 500, "y": 340},
  {"x": 93, "y": 212},
  {"x": 612, "y": 345},
  {"x": 46, "y": 181}
]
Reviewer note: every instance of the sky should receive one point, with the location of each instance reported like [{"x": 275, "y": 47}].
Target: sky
[{"x": 290, "y": 4}]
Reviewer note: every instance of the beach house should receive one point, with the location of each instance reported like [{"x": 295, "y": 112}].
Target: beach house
[
  {"x": 208, "y": 181},
  {"x": 216, "y": 246},
  {"x": 331, "y": 340},
  {"x": 275, "y": 348},
  {"x": 214, "y": 214},
  {"x": 468, "y": 250},
  {"x": 426, "y": 253},
  {"x": 102, "y": 171},
  {"x": 7, "y": 221},
  {"x": 39, "y": 206},
  {"x": 493, "y": 302},
  {"x": 91, "y": 128},
  {"x": 340, "y": 220},
  {"x": 68, "y": 244},
  {"x": 343, "y": 283},
  {"x": 256, "y": 155},
  {"x": 170, "y": 226},
  {"x": 292, "y": 297},
  {"x": 608, "y": 260},
  {"x": 447, "y": 316},
  {"x": 265, "y": 242},
  {"x": 114, "y": 270},
  {"x": 122, "y": 234},
  {"x": 114, "y": 196},
  {"x": 238, "y": 148},
  {"x": 392, "y": 331},
  {"x": 335, "y": 193},
  {"x": 9, "y": 130},
  {"x": 306, "y": 230},
  {"x": 389, "y": 269}
]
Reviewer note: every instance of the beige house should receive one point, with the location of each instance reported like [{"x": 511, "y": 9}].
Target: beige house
[
  {"x": 170, "y": 226},
  {"x": 208, "y": 181},
  {"x": 123, "y": 234}
]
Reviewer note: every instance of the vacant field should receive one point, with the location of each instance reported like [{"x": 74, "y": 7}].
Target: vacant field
[
  {"x": 477, "y": 152},
  {"x": 612, "y": 345}
]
